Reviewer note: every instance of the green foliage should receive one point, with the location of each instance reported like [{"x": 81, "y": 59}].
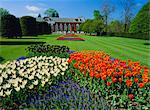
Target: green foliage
[
  {"x": 10, "y": 26},
  {"x": 18, "y": 28},
  {"x": 115, "y": 27},
  {"x": 140, "y": 23},
  {"x": 3, "y": 12},
  {"x": 51, "y": 13},
  {"x": 43, "y": 28},
  {"x": 47, "y": 50},
  {"x": 116, "y": 95},
  {"x": 144, "y": 36},
  {"x": 81, "y": 27},
  {"x": 93, "y": 26},
  {"x": 87, "y": 27},
  {"x": 28, "y": 25},
  {"x": 97, "y": 15},
  {"x": 98, "y": 26}
]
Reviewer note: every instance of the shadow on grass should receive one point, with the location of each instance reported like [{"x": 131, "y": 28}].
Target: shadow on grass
[
  {"x": 19, "y": 42},
  {"x": 1, "y": 59},
  {"x": 146, "y": 43},
  {"x": 29, "y": 38}
]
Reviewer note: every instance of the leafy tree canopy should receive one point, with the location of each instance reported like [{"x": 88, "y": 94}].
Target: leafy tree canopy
[
  {"x": 3, "y": 12},
  {"x": 51, "y": 13},
  {"x": 97, "y": 14},
  {"x": 140, "y": 23},
  {"x": 115, "y": 27}
]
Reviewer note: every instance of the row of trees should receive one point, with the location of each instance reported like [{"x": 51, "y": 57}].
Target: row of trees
[
  {"x": 26, "y": 26},
  {"x": 99, "y": 25}
]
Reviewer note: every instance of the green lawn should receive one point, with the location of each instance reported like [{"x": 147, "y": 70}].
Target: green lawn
[{"x": 123, "y": 48}]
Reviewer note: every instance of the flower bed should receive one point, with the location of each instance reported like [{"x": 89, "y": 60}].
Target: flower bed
[
  {"x": 124, "y": 84},
  {"x": 66, "y": 95},
  {"x": 18, "y": 78},
  {"x": 47, "y": 50},
  {"x": 35, "y": 82},
  {"x": 71, "y": 37}
]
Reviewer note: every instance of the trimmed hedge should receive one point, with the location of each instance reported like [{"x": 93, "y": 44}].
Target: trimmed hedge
[
  {"x": 43, "y": 28},
  {"x": 28, "y": 26},
  {"x": 144, "y": 36},
  {"x": 10, "y": 26}
]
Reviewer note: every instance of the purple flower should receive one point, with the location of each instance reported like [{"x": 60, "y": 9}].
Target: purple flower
[{"x": 21, "y": 58}]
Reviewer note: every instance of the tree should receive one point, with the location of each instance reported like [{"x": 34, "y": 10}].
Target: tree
[
  {"x": 51, "y": 13},
  {"x": 3, "y": 12},
  {"x": 81, "y": 27},
  {"x": 87, "y": 27},
  {"x": 98, "y": 26},
  {"x": 128, "y": 6},
  {"x": 97, "y": 14},
  {"x": 10, "y": 26},
  {"x": 28, "y": 25},
  {"x": 140, "y": 23},
  {"x": 107, "y": 9},
  {"x": 115, "y": 27}
]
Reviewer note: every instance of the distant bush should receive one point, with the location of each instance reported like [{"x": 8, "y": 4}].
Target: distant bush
[
  {"x": 10, "y": 26},
  {"x": 144, "y": 36},
  {"x": 47, "y": 50},
  {"x": 28, "y": 25}
]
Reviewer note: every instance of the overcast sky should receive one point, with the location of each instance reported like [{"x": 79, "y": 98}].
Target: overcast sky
[{"x": 65, "y": 8}]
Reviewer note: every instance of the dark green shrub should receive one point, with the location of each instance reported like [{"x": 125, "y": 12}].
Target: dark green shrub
[
  {"x": 10, "y": 26},
  {"x": 28, "y": 25},
  {"x": 47, "y": 50},
  {"x": 144, "y": 36},
  {"x": 18, "y": 28},
  {"x": 39, "y": 28},
  {"x": 43, "y": 28}
]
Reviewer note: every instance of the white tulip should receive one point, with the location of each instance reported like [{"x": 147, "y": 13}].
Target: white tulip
[
  {"x": 14, "y": 76},
  {"x": 62, "y": 73},
  {"x": 55, "y": 74},
  {"x": 63, "y": 69},
  {"x": 8, "y": 92},
  {"x": 52, "y": 72},
  {"x": 17, "y": 89},
  {"x": 49, "y": 83},
  {"x": 24, "y": 82},
  {"x": 35, "y": 82},
  {"x": 26, "y": 75},
  {"x": 9, "y": 72},
  {"x": 46, "y": 80},
  {"x": 31, "y": 77},
  {"x": 4, "y": 75},
  {"x": 1, "y": 80},
  {"x": 22, "y": 86},
  {"x": 1, "y": 93},
  {"x": 39, "y": 76},
  {"x": 7, "y": 85},
  {"x": 51, "y": 64},
  {"x": 31, "y": 87},
  {"x": 15, "y": 84}
]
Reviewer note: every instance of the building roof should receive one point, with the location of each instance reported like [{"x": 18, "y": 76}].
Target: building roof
[{"x": 56, "y": 19}]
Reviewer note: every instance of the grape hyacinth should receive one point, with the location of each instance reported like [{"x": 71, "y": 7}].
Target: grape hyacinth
[{"x": 67, "y": 95}]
